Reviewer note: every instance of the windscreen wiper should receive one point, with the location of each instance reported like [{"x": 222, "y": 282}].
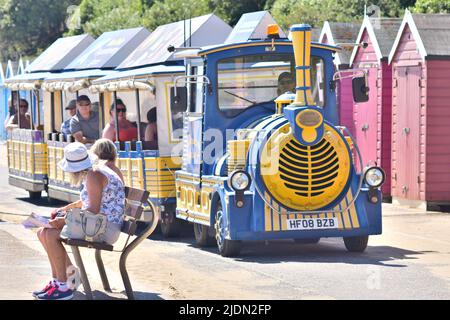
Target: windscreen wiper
[{"x": 235, "y": 95}]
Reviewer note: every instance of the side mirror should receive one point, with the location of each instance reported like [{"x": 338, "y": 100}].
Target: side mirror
[
  {"x": 360, "y": 90},
  {"x": 179, "y": 101}
]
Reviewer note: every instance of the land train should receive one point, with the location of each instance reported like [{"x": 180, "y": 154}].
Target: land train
[
  {"x": 256, "y": 163},
  {"x": 259, "y": 168}
]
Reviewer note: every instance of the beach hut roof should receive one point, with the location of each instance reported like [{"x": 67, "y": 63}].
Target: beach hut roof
[
  {"x": 382, "y": 32},
  {"x": 431, "y": 33},
  {"x": 340, "y": 32}
]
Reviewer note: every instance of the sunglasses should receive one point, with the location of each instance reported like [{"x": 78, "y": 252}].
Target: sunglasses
[{"x": 122, "y": 110}]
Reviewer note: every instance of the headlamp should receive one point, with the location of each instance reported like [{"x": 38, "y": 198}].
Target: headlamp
[
  {"x": 374, "y": 177},
  {"x": 239, "y": 180}
]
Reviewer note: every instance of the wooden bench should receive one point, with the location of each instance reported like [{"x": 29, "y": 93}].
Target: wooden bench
[{"x": 135, "y": 199}]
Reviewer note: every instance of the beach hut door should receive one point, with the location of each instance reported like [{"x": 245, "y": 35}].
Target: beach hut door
[{"x": 407, "y": 133}]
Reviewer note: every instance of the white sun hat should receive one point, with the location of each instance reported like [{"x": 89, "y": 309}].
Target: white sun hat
[{"x": 76, "y": 158}]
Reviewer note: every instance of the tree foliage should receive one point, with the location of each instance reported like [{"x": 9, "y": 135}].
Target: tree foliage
[
  {"x": 315, "y": 12},
  {"x": 98, "y": 16},
  {"x": 163, "y": 12},
  {"x": 432, "y": 6},
  {"x": 27, "y": 27},
  {"x": 231, "y": 11}
]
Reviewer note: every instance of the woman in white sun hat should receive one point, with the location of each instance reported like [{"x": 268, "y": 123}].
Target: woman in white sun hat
[{"x": 102, "y": 192}]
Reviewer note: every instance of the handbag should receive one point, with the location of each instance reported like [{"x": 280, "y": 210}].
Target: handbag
[{"x": 84, "y": 225}]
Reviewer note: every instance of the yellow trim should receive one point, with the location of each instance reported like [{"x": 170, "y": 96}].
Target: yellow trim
[
  {"x": 245, "y": 45},
  {"x": 342, "y": 217},
  {"x": 267, "y": 214},
  {"x": 167, "y": 86},
  {"x": 301, "y": 41}
]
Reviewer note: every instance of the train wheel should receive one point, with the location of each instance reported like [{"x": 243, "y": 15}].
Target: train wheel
[
  {"x": 204, "y": 235},
  {"x": 356, "y": 244},
  {"x": 170, "y": 229},
  {"x": 307, "y": 241},
  {"x": 35, "y": 195},
  {"x": 227, "y": 248}
]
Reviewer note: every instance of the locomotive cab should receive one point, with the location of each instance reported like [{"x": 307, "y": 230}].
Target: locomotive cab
[{"x": 262, "y": 164}]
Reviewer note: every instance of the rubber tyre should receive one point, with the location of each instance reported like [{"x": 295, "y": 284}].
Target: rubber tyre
[
  {"x": 35, "y": 195},
  {"x": 307, "y": 241},
  {"x": 356, "y": 244},
  {"x": 203, "y": 236},
  {"x": 170, "y": 230},
  {"x": 227, "y": 248}
]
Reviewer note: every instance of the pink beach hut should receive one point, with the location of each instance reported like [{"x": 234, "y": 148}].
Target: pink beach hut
[
  {"x": 372, "y": 119},
  {"x": 420, "y": 59},
  {"x": 338, "y": 33}
]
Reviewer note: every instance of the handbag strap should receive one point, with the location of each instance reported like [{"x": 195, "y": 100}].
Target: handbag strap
[{"x": 98, "y": 226}]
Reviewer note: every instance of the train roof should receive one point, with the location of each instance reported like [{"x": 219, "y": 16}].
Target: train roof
[
  {"x": 60, "y": 54},
  {"x": 109, "y": 50},
  {"x": 126, "y": 79},
  {"x": 200, "y": 31},
  {"x": 198, "y": 52}
]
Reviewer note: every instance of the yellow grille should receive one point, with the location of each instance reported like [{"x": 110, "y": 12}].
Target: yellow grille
[
  {"x": 305, "y": 177},
  {"x": 309, "y": 171}
]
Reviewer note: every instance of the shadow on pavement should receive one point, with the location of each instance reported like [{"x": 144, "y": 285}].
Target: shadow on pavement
[
  {"x": 326, "y": 251},
  {"x": 101, "y": 295},
  {"x": 43, "y": 202}
]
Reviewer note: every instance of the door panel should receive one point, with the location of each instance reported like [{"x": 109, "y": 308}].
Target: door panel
[
  {"x": 365, "y": 119},
  {"x": 412, "y": 142},
  {"x": 408, "y": 132}
]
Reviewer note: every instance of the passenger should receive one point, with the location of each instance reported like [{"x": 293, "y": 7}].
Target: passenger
[
  {"x": 84, "y": 124},
  {"x": 103, "y": 192},
  {"x": 151, "y": 131},
  {"x": 25, "y": 119},
  {"x": 72, "y": 110},
  {"x": 285, "y": 83},
  {"x": 127, "y": 131},
  {"x": 95, "y": 106}
]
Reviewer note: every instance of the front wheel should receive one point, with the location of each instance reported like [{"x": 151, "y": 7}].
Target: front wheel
[
  {"x": 356, "y": 244},
  {"x": 35, "y": 195},
  {"x": 204, "y": 235},
  {"x": 227, "y": 248},
  {"x": 307, "y": 241},
  {"x": 169, "y": 225}
]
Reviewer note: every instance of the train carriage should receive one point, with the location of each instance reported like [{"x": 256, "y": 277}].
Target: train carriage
[
  {"x": 148, "y": 76},
  {"x": 258, "y": 169},
  {"x": 97, "y": 60},
  {"x": 27, "y": 148}
]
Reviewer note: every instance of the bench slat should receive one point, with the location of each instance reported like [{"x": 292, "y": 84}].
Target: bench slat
[
  {"x": 133, "y": 211},
  {"x": 87, "y": 244},
  {"x": 136, "y": 194}
]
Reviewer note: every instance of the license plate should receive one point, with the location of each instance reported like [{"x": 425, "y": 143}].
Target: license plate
[{"x": 312, "y": 224}]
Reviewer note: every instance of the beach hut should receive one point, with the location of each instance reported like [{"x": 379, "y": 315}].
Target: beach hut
[
  {"x": 372, "y": 119},
  {"x": 420, "y": 59},
  {"x": 338, "y": 33}
]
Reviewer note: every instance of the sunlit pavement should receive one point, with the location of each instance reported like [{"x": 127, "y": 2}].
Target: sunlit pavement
[{"x": 410, "y": 260}]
